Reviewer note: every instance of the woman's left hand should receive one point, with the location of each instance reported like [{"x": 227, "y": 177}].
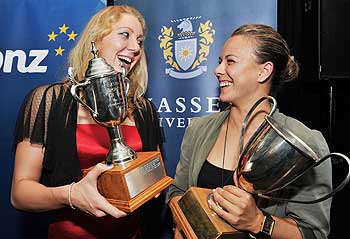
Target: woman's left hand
[{"x": 237, "y": 207}]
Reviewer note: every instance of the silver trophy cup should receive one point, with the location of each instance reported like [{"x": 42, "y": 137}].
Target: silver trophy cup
[
  {"x": 274, "y": 157},
  {"x": 134, "y": 178},
  {"x": 104, "y": 94}
]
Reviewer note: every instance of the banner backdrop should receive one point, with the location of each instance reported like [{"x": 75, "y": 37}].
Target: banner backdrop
[
  {"x": 36, "y": 36},
  {"x": 183, "y": 44}
]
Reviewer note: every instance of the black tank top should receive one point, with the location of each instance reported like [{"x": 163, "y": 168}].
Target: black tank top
[{"x": 212, "y": 176}]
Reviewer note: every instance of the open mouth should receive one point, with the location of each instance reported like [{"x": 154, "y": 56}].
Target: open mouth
[
  {"x": 125, "y": 60},
  {"x": 224, "y": 84}
]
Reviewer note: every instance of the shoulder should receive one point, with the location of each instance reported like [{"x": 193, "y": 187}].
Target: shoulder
[
  {"x": 205, "y": 125},
  {"x": 41, "y": 98},
  {"x": 208, "y": 120},
  {"x": 48, "y": 90},
  {"x": 312, "y": 137},
  {"x": 293, "y": 124}
]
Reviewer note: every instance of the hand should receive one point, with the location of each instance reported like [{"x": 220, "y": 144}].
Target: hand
[
  {"x": 157, "y": 195},
  {"x": 237, "y": 207},
  {"x": 86, "y": 197},
  {"x": 178, "y": 234}
]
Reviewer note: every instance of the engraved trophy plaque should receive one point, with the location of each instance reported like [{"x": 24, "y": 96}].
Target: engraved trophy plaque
[
  {"x": 135, "y": 177},
  {"x": 196, "y": 220}
]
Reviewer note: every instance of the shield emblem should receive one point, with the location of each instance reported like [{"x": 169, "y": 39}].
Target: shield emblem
[{"x": 185, "y": 52}]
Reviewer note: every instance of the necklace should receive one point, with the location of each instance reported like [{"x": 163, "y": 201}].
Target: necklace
[{"x": 224, "y": 153}]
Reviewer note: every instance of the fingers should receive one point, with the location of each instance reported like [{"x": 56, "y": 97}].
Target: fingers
[
  {"x": 235, "y": 178},
  {"x": 96, "y": 213},
  {"x": 217, "y": 208},
  {"x": 89, "y": 198},
  {"x": 99, "y": 169},
  {"x": 100, "y": 207},
  {"x": 157, "y": 195},
  {"x": 112, "y": 210},
  {"x": 178, "y": 233},
  {"x": 225, "y": 200}
]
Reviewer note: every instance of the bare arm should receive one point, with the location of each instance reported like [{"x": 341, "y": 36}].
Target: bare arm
[{"x": 29, "y": 195}]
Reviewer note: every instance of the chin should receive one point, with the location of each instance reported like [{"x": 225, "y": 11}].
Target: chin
[{"x": 224, "y": 99}]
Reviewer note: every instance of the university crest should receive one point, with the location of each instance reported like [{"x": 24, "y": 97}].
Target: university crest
[{"x": 184, "y": 49}]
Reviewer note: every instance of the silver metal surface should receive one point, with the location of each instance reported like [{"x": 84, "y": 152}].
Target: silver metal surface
[
  {"x": 104, "y": 94},
  {"x": 274, "y": 157},
  {"x": 142, "y": 177}
]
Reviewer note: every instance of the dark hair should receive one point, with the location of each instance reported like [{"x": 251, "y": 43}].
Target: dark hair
[{"x": 270, "y": 46}]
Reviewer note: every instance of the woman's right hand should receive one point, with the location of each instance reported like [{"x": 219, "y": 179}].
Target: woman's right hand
[
  {"x": 178, "y": 234},
  {"x": 85, "y": 195}
]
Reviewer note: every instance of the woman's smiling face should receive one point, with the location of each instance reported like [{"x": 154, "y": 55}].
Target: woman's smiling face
[
  {"x": 123, "y": 45},
  {"x": 238, "y": 70}
]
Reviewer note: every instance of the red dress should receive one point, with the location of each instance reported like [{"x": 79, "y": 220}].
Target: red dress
[{"x": 92, "y": 145}]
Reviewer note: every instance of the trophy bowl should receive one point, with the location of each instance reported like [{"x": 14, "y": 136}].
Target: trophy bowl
[
  {"x": 274, "y": 157},
  {"x": 135, "y": 177}
]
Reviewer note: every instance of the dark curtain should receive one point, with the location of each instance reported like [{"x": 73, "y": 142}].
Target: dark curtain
[{"x": 320, "y": 103}]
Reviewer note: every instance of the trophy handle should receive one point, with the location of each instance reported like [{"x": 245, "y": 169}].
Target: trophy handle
[
  {"x": 71, "y": 75},
  {"x": 338, "y": 188},
  {"x": 244, "y": 124},
  {"x": 125, "y": 81},
  {"x": 73, "y": 91}
]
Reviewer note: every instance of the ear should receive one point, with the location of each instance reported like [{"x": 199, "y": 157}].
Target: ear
[{"x": 266, "y": 70}]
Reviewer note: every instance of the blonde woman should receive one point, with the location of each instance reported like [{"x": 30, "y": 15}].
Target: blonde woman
[{"x": 56, "y": 138}]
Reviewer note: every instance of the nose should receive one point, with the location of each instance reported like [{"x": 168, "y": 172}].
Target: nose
[
  {"x": 134, "y": 45},
  {"x": 219, "y": 70}
]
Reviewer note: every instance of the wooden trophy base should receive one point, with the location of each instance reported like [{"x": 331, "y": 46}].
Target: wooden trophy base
[
  {"x": 132, "y": 184},
  {"x": 196, "y": 220}
]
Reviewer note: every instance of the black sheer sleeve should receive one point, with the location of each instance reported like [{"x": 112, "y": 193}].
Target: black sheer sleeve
[
  {"x": 32, "y": 119},
  {"x": 48, "y": 118}
]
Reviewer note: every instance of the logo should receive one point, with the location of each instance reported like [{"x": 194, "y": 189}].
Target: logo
[
  {"x": 36, "y": 57},
  {"x": 189, "y": 48},
  {"x": 63, "y": 31}
]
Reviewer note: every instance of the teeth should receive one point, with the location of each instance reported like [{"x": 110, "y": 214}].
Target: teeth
[
  {"x": 126, "y": 59},
  {"x": 223, "y": 84}
]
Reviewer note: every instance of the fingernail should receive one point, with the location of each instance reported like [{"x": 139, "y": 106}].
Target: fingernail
[
  {"x": 110, "y": 166},
  {"x": 209, "y": 203}
]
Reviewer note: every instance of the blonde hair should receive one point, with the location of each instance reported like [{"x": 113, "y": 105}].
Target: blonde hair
[{"x": 97, "y": 28}]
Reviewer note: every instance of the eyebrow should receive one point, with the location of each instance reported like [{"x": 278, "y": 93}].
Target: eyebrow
[
  {"x": 231, "y": 55},
  {"x": 130, "y": 29}
]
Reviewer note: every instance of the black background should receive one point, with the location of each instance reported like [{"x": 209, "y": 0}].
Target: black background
[{"x": 317, "y": 32}]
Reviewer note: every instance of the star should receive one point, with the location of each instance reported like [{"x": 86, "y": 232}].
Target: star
[
  {"x": 59, "y": 51},
  {"x": 71, "y": 36},
  {"x": 63, "y": 29},
  {"x": 52, "y": 36}
]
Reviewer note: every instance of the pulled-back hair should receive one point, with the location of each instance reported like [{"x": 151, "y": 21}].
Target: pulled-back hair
[{"x": 270, "y": 46}]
